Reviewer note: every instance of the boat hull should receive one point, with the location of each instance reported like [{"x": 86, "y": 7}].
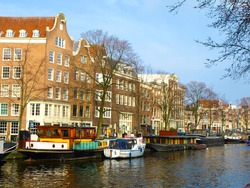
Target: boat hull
[
  {"x": 211, "y": 141},
  {"x": 39, "y": 154},
  {"x": 123, "y": 153},
  {"x": 6, "y": 149}
]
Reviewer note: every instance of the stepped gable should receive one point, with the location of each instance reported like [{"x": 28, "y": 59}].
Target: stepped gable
[{"x": 26, "y": 23}]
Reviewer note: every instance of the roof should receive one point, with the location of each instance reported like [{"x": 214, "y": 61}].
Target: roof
[
  {"x": 210, "y": 103},
  {"x": 26, "y": 23}
]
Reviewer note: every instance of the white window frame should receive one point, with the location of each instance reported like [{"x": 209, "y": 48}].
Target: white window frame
[
  {"x": 5, "y": 72},
  {"x": 51, "y": 56},
  {"x": 60, "y": 42},
  {"x": 5, "y": 88},
  {"x": 4, "y": 108},
  {"x": 16, "y": 90},
  {"x": 66, "y": 77},
  {"x": 35, "y": 33},
  {"x": 6, "y": 54},
  {"x": 65, "y": 94},
  {"x": 18, "y": 54},
  {"x": 50, "y": 74},
  {"x": 35, "y": 109},
  {"x": 66, "y": 61},
  {"x": 17, "y": 71},
  {"x": 50, "y": 92},
  {"x": 58, "y": 93},
  {"x": 58, "y": 76},
  {"x": 59, "y": 59},
  {"x": 9, "y": 33},
  {"x": 22, "y": 33},
  {"x": 83, "y": 59},
  {"x": 15, "y": 109}
]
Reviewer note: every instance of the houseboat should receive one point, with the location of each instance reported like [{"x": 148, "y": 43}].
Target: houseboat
[
  {"x": 171, "y": 141},
  {"x": 63, "y": 143}
]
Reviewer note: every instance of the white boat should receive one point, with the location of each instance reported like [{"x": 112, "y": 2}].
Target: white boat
[{"x": 125, "y": 148}]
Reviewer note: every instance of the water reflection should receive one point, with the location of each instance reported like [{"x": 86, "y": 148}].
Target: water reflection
[{"x": 226, "y": 166}]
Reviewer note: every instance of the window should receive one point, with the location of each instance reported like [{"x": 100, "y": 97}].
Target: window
[
  {"x": 4, "y": 109},
  {"x": 51, "y": 74},
  {"x": 3, "y": 127},
  {"x": 126, "y": 100},
  {"x": 107, "y": 112},
  {"x": 15, "y": 109},
  {"x": 81, "y": 113},
  {"x": 65, "y": 94},
  {"x": 59, "y": 59},
  {"x": 5, "y": 72},
  {"x": 66, "y": 61},
  {"x": 121, "y": 99},
  {"x": 35, "y": 109},
  {"x": 9, "y": 33},
  {"x": 6, "y": 54},
  {"x": 58, "y": 76},
  {"x": 87, "y": 112},
  {"x": 50, "y": 92},
  {"x": 4, "y": 90},
  {"x": 58, "y": 93},
  {"x": 82, "y": 76},
  {"x": 14, "y": 128},
  {"x": 84, "y": 59},
  {"x": 88, "y": 79},
  {"x": 88, "y": 95},
  {"x": 65, "y": 111},
  {"x": 74, "y": 110},
  {"x": 35, "y": 33},
  {"x": 98, "y": 95},
  {"x": 51, "y": 56},
  {"x": 81, "y": 94},
  {"x": 48, "y": 110},
  {"x": 76, "y": 75},
  {"x": 117, "y": 98},
  {"x": 18, "y": 54},
  {"x": 17, "y": 72},
  {"x": 66, "y": 77},
  {"x": 133, "y": 101},
  {"x": 57, "y": 110},
  {"x": 59, "y": 42},
  {"x": 75, "y": 92},
  {"x": 16, "y": 90},
  {"x": 22, "y": 33}
]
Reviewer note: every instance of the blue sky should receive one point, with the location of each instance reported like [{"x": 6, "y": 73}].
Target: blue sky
[{"x": 163, "y": 40}]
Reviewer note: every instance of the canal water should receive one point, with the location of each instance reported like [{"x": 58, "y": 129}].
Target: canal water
[{"x": 225, "y": 166}]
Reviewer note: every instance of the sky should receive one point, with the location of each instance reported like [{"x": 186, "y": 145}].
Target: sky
[{"x": 164, "y": 41}]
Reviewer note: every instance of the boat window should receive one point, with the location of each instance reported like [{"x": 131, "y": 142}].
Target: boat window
[
  {"x": 65, "y": 133},
  {"x": 49, "y": 133},
  {"x": 55, "y": 133},
  {"x": 41, "y": 132}
]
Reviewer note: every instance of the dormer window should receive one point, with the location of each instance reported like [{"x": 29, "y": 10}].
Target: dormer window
[
  {"x": 22, "y": 33},
  {"x": 9, "y": 33},
  {"x": 36, "y": 33}
]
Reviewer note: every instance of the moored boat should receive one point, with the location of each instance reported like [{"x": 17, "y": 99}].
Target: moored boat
[
  {"x": 64, "y": 143},
  {"x": 6, "y": 148},
  {"x": 233, "y": 139},
  {"x": 211, "y": 141},
  {"x": 125, "y": 148}
]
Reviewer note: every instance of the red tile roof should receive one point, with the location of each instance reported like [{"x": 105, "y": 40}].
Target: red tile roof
[{"x": 27, "y": 23}]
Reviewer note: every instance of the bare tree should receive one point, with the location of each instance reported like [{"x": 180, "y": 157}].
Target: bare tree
[
  {"x": 232, "y": 19},
  {"x": 108, "y": 54},
  {"x": 195, "y": 92}
]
